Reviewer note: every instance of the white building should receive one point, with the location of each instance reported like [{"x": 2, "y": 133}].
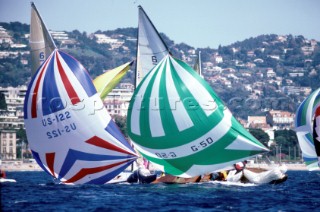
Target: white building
[
  {"x": 117, "y": 101},
  {"x": 8, "y": 145}
]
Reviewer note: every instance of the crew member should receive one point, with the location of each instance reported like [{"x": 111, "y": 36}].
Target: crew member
[{"x": 240, "y": 166}]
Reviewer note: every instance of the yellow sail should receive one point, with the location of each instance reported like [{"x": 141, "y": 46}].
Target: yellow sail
[{"x": 108, "y": 80}]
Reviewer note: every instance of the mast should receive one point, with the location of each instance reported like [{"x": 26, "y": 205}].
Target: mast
[{"x": 200, "y": 66}]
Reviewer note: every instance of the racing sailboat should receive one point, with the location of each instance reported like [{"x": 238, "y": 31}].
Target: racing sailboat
[
  {"x": 177, "y": 121},
  {"x": 41, "y": 42},
  {"x": 71, "y": 135},
  {"x": 307, "y": 127}
]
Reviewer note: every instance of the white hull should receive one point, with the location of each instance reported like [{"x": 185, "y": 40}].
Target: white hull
[{"x": 3, "y": 180}]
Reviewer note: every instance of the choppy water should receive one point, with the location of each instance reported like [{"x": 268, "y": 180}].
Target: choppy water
[{"x": 35, "y": 191}]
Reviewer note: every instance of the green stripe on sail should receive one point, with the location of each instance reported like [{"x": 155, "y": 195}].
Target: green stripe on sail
[
  {"x": 169, "y": 124},
  {"x": 236, "y": 126},
  {"x": 145, "y": 107},
  {"x": 201, "y": 80},
  {"x": 304, "y": 111},
  {"x": 213, "y": 155}
]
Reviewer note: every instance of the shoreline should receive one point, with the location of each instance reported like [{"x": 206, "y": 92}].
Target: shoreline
[{"x": 20, "y": 166}]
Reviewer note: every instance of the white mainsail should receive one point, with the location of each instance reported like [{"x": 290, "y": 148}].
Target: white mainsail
[
  {"x": 151, "y": 48},
  {"x": 41, "y": 42}
]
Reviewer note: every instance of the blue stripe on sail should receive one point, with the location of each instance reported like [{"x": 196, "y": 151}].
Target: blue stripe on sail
[
  {"x": 74, "y": 155},
  {"x": 25, "y": 107},
  {"x": 299, "y": 113},
  {"x": 51, "y": 100},
  {"x": 81, "y": 73},
  {"x": 37, "y": 158},
  {"x": 113, "y": 129},
  {"x": 105, "y": 178},
  {"x": 310, "y": 159},
  {"x": 309, "y": 138}
]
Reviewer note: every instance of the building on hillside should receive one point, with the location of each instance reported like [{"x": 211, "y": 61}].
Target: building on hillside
[
  {"x": 8, "y": 144},
  {"x": 259, "y": 122},
  {"x": 117, "y": 101},
  {"x": 12, "y": 118},
  {"x": 280, "y": 119}
]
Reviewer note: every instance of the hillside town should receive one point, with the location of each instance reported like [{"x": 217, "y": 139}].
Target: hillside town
[{"x": 261, "y": 89}]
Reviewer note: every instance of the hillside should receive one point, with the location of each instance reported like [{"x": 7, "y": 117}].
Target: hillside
[{"x": 260, "y": 73}]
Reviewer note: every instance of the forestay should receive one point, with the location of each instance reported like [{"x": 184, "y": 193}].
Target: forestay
[
  {"x": 177, "y": 121},
  {"x": 70, "y": 133}
]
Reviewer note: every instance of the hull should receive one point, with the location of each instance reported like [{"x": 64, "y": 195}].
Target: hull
[{"x": 250, "y": 175}]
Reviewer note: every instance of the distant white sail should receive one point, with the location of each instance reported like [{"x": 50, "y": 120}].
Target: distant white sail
[
  {"x": 41, "y": 42},
  {"x": 151, "y": 48}
]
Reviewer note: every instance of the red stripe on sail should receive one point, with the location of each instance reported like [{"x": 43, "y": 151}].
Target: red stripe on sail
[
  {"x": 86, "y": 171},
  {"x": 317, "y": 113},
  {"x": 96, "y": 141},
  {"x": 50, "y": 162},
  {"x": 69, "y": 88},
  {"x": 35, "y": 92}
]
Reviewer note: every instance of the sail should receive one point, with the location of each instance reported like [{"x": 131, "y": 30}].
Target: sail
[
  {"x": 105, "y": 82},
  {"x": 307, "y": 127},
  {"x": 41, "y": 42},
  {"x": 70, "y": 133},
  {"x": 177, "y": 121},
  {"x": 197, "y": 66},
  {"x": 151, "y": 48}
]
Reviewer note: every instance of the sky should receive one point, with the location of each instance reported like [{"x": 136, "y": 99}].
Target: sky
[{"x": 198, "y": 23}]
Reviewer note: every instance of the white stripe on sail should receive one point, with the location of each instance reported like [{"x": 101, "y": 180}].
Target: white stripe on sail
[
  {"x": 241, "y": 143},
  {"x": 309, "y": 113},
  {"x": 180, "y": 115},
  {"x": 135, "y": 114},
  {"x": 201, "y": 95},
  {"x": 155, "y": 121},
  {"x": 307, "y": 148},
  {"x": 210, "y": 138}
]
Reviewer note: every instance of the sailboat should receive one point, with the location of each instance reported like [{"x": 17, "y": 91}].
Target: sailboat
[
  {"x": 71, "y": 135},
  {"x": 41, "y": 42},
  {"x": 177, "y": 121},
  {"x": 307, "y": 122}
]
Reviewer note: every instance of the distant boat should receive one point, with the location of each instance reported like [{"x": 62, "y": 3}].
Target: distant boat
[
  {"x": 70, "y": 133},
  {"x": 41, "y": 42},
  {"x": 177, "y": 121},
  {"x": 307, "y": 127},
  {"x": 151, "y": 48}
]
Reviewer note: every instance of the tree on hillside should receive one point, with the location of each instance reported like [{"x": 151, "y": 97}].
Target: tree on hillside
[
  {"x": 260, "y": 135},
  {"x": 121, "y": 122},
  {"x": 287, "y": 139},
  {"x": 3, "y": 104}
]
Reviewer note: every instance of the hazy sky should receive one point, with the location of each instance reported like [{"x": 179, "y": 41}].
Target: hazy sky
[{"x": 199, "y": 23}]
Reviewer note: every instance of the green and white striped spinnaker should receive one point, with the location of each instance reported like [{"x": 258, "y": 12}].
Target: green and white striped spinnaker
[
  {"x": 307, "y": 128},
  {"x": 177, "y": 121}
]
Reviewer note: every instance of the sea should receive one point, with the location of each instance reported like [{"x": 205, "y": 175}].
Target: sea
[{"x": 36, "y": 191}]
